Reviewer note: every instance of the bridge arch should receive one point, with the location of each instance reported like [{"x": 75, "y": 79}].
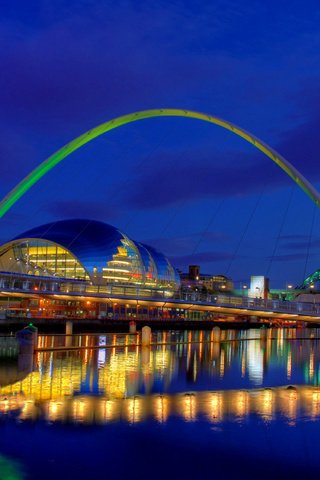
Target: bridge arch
[{"x": 22, "y": 187}]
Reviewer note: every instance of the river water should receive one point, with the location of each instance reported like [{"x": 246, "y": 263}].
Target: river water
[{"x": 247, "y": 406}]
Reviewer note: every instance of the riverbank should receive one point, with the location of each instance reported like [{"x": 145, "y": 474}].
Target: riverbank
[{"x": 58, "y": 325}]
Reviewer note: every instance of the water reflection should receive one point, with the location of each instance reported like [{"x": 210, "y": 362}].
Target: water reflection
[
  {"x": 289, "y": 403},
  {"x": 186, "y": 374}
]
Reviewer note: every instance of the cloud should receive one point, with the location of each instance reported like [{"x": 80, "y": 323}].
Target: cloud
[
  {"x": 200, "y": 258},
  {"x": 300, "y": 145},
  {"x": 302, "y": 245},
  {"x": 299, "y": 242},
  {"x": 82, "y": 209},
  {"x": 105, "y": 58},
  {"x": 230, "y": 174},
  {"x": 289, "y": 257},
  {"x": 233, "y": 173},
  {"x": 295, "y": 236},
  {"x": 185, "y": 243}
]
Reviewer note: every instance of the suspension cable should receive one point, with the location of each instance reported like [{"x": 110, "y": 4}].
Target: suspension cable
[
  {"x": 205, "y": 231},
  {"x": 309, "y": 241},
  {"x": 245, "y": 229},
  {"x": 283, "y": 221}
]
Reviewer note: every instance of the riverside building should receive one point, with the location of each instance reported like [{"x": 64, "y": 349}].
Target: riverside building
[{"x": 81, "y": 258}]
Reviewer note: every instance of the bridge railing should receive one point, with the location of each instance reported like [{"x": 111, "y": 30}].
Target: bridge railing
[
  {"x": 196, "y": 298},
  {"x": 294, "y": 307}
]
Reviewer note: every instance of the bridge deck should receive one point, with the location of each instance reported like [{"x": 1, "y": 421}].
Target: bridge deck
[{"x": 224, "y": 304}]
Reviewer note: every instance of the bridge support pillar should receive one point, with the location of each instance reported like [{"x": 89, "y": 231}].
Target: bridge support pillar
[
  {"x": 146, "y": 336},
  {"x": 216, "y": 334},
  {"x": 69, "y": 331},
  {"x": 69, "y": 327},
  {"x": 132, "y": 327},
  {"x": 263, "y": 334}
]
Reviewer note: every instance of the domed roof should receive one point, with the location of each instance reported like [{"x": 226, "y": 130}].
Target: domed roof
[
  {"x": 92, "y": 242},
  {"x": 96, "y": 243}
]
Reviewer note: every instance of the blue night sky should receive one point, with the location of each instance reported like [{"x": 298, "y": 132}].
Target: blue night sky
[{"x": 190, "y": 189}]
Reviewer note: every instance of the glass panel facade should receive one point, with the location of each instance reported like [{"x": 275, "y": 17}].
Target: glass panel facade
[
  {"x": 125, "y": 266},
  {"x": 39, "y": 257}
]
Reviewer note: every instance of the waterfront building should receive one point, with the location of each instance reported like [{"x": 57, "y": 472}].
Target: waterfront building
[
  {"x": 81, "y": 256},
  {"x": 84, "y": 269},
  {"x": 197, "y": 281},
  {"x": 89, "y": 251}
]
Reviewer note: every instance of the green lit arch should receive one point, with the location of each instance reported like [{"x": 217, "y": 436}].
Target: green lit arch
[{"x": 13, "y": 196}]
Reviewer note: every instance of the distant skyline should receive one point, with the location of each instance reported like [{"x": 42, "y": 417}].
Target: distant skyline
[{"x": 194, "y": 191}]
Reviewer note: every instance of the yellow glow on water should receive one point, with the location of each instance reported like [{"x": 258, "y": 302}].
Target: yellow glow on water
[
  {"x": 133, "y": 410},
  {"x": 243, "y": 365},
  {"x": 82, "y": 411},
  {"x": 119, "y": 373},
  {"x": 264, "y": 404},
  {"x": 292, "y": 405},
  {"x": 11, "y": 403},
  {"x": 268, "y": 404},
  {"x": 64, "y": 388},
  {"x": 288, "y": 400},
  {"x": 28, "y": 411},
  {"x": 241, "y": 403},
  {"x": 280, "y": 335},
  {"x": 55, "y": 410},
  {"x": 110, "y": 410},
  {"x": 311, "y": 365},
  {"x": 201, "y": 345},
  {"x": 215, "y": 407},
  {"x": 160, "y": 408},
  {"x": 315, "y": 404},
  {"x": 222, "y": 365},
  {"x": 289, "y": 365},
  {"x": 187, "y": 407},
  {"x": 255, "y": 361}
]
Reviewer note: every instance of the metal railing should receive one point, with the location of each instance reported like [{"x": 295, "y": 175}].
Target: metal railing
[
  {"x": 195, "y": 298},
  {"x": 269, "y": 305}
]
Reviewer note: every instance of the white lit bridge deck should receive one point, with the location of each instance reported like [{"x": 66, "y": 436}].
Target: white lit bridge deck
[{"x": 212, "y": 304}]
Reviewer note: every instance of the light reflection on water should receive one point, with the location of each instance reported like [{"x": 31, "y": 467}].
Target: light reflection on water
[
  {"x": 185, "y": 374},
  {"x": 288, "y": 403},
  {"x": 247, "y": 406}
]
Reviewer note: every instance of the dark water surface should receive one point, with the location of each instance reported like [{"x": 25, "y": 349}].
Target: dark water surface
[{"x": 247, "y": 407}]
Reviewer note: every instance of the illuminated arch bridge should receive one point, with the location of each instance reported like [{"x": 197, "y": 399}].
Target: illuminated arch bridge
[{"x": 13, "y": 196}]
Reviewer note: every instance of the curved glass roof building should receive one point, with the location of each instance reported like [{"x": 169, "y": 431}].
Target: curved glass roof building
[{"x": 87, "y": 250}]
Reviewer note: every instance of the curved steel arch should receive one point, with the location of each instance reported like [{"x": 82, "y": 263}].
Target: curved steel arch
[{"x": 13, "y": 196}]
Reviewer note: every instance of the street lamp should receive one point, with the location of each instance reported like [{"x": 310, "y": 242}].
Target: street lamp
[
  {"x": 288, "y": 289},
  {"x": 244, "y": 289}
]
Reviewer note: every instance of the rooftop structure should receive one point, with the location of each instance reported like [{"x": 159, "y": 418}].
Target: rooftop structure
[{"x": 196, "y": 280}]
